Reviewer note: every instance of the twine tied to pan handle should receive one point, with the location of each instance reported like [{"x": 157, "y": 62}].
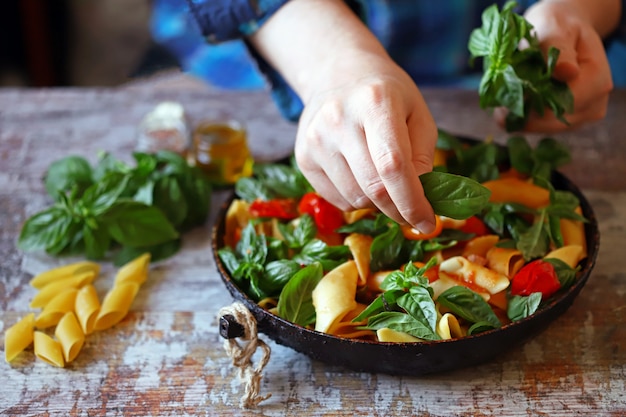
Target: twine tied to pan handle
[{"x": 236, "y": 321}]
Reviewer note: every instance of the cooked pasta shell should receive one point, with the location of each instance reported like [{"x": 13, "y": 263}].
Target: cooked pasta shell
[
  {"x": 116, "y": 305},
  {"x": 48, "y": 292},
  {"x": 388, "y": 335},
  {"x": 445, "y": 282},
  {"x": 334, "y": 295},
  {"x": 480, "y": 245},
  {"x": 505, "y": 261},
  {"x": 461, "y": 269},
  {"x": 515, "y": 190},
  {"x": 48, "y": 350},
  {"x": 354, "y": 215},
  {"x": 87, "y": 307},
  {"x": 448, "y": 327},
  {"x": 67, "y": 271},
  {"x": 56, "y": 308},
  {"x": 70, "y": 336},
  {"x": 18, "y": 337},
  {"x": 570, "y": 254},
  {"x": 360, "y": 245},
  {"x": 135, "y": 270}
]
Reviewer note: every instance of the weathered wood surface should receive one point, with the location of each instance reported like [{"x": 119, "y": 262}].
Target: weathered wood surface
[{"x": 166, "y": 358}]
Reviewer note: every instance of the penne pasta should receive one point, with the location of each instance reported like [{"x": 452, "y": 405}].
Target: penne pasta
[
  {"x": 48, "y": 350},
  {"x": 87, "y": 307},
  {"x": 18, "y": 337},
  {"x": 573, "y": 232},
  {"x": 56, "y": 308},
  {"x": 134, "y": 271},
  {"x": 70, "y": 336},
  {"x": 67, "y": 271},
  {"x": 515, "y": 190},
  {"x": 460, "y": 269},
  {"x": 388, "y": 335},
  {"x": 571, "y": 254},
  {"x": 360, "y": 247},
  {"x": 334, "y": 296},
  {"x": 48, "y": 292},
  {"x": 480, "y": 245},
  {"x": 448, "y": 327},
  {"x": 505, "y": 261},
  {"x": 116, "y": 305}
]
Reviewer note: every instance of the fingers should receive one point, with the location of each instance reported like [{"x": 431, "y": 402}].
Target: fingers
[{"x": 369, "y": 156}]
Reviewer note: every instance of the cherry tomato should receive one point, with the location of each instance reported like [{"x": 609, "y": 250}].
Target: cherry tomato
[
  {"x": 476, "y": 226},
  {"x": 282, "y": 208},
  {"x": 536, "y": 276},
  {"x": 327, "y": 217},
  {"x": 414, "y": 234}
]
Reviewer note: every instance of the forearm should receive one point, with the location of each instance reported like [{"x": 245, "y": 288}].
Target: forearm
[
  {"x": 604, "y": 15},
  {"x": 304, "y": 37}
]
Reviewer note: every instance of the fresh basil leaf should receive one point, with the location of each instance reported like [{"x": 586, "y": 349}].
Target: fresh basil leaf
[
  {"x": 418, "y": 303},
  {"x": 283, "y": 180},
  {"x": 316, "y": 251},
  {"x": 97, "y": 241},
  {"x": 67, "y": 173},
  {"x": 565, "y": 273},
  {"x": 454, "y": 196},
  {"x": 386, "y": 301},
  {"x": 296, "y": 300},
  {"x": 250, "y": 189},
  {"x": 135, "y": 224},
  {"x": 157, "y": 252},
  {"x": 467, "y": 304},
  {"x": 277, "y": 274},
  {"x": 45, "y": 229},
  {"x": 520, "y": 307},
  {"x": 385, "y": 249},
  {"x": 535, "y": 242},
  {"x": 481, "y": 326},
  {"x": 229, "y": 259},
  {"x": 168, "y": 197},
  {"x": 252, "y": 248},
  {"x": 402, "y": 322},
  {"x": 103, "y": 194}
]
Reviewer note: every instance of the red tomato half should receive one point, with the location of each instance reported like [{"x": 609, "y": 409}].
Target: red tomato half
[
  {"x": 476, "y": 226},
  {"x": 536, "y": 276},
  {"x": 284, "y": 208},
  {"x": 327, "y": 217}
]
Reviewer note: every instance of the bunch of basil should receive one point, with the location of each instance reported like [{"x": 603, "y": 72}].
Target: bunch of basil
[
  {"x": 115, "y": 208},
  {"x": 519, "y": 79}
]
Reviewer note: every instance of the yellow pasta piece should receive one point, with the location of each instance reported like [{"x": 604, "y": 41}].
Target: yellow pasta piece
[
  {"x": 87, "y": 307},
  {"x": 444, "y": 282},
  {"x": 67, "y": 271},
  {"x": 360, "y": 245},
  {"x": 70, "y": 336},
  {"x": 116, "y": 305},
  {"x": 460, "y": 269},
  {"x": 388, "y": 335},
  {"x": 448, "y": 327},
  {"x": 505, "y": 261},
  {"x": 573, "y": 232},
  {"x": 354, "y": 215},
  {"x": 237, "y": 216},
  {"x": 48, "y": 350},
  {"x": 56, "y": 308},
  {"x": 48, "y": 292},
  {"x": 440, "y": 157},
  {"x": 134, "y": 271},
  {"x": 515, "y": 190},
  {"x": 480, "y": 245},
  {"x": 571, "y": 254},
  {"x": 374, "y": 280},
  {"x": 18, "y": 337},
  {"x": 334, "y": 296}
]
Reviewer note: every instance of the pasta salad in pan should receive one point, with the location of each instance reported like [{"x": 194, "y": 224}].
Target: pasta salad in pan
[{"x": 505, "y": 243}]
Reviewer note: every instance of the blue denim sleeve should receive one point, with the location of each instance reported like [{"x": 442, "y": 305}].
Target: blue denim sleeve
[{"x": 222, "y": 20}]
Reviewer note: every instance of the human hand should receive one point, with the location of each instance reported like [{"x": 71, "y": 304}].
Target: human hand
[
  {"x": 582, "y": 64},
  {"x": 365, "y": 136}
]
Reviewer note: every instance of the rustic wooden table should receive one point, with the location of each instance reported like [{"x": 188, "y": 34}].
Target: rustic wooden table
[{"x": 167, "y": 358}]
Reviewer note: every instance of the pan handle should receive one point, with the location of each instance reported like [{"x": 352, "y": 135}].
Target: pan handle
[{"x": 230, "y": 328}]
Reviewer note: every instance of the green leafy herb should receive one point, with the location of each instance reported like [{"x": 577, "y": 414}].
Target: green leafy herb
[
  {"x": 118, "y": 207},
  {"x": 296, "y": 300},
  {"x": 469, "y": 305},
  {"x": 453, "y": 195},
  {"x": 519, "y": 79},
  {"x": 521, "y": 307}
]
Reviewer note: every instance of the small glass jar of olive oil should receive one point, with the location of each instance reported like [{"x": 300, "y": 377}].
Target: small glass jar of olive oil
[{"x": 221, "y": 150}]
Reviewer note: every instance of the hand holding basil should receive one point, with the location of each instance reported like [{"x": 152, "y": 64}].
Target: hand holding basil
[{"x": 518, "y": 79}]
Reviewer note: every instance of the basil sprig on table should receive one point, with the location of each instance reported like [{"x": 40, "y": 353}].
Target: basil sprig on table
[
  {"x": 519, "y": 79},
  {"x": 117, "y": 207}
]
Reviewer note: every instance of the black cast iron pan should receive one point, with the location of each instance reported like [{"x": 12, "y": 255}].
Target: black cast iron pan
[{"x": 409, "y": 358}]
